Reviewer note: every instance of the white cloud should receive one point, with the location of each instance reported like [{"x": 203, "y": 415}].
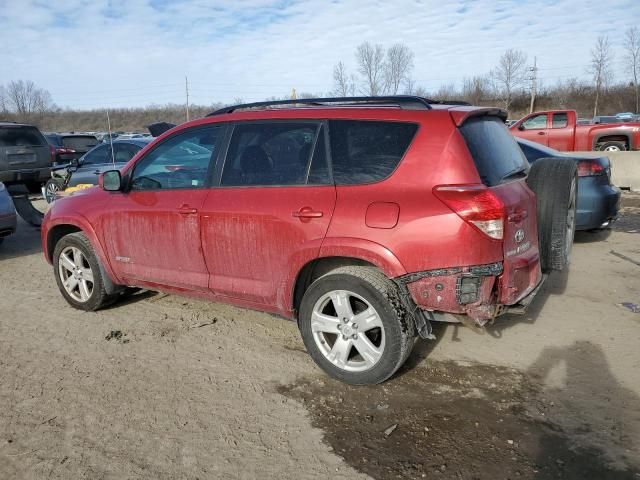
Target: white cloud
[{"x": 96, "y": 53}]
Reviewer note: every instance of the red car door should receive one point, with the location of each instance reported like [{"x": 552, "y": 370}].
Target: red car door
[
  {"x": 152, "y": 229},
  {"x": 271, "y": 211},
  {"x": 535, "y": 129},
  {"x": 560, "y": 135}
]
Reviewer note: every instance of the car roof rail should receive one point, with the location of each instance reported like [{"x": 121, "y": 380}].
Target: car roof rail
[{"x": 406, "y": 102}]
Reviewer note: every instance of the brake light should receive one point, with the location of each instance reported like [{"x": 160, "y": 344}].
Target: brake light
[
  {"x": 475, "y": 204},
  {"x": 590, "y": 168},
  {"x": 63, "y": 150},
  {"x": 52, "y": 154}
]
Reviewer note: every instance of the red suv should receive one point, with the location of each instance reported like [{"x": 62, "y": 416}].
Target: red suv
[{"x": 362, "y": 218}]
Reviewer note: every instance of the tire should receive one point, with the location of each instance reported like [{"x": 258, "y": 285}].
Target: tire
[
  {"x": 612, "y": 147},
  {"x": 52, "y": 186},
  {"x": 97, "y": 297},
  {"x": 347, "y": 354},
  {"x": 555, "y": 183}
]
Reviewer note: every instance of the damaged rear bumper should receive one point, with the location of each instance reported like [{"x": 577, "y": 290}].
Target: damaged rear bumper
[{"x": 474, "y": 294}]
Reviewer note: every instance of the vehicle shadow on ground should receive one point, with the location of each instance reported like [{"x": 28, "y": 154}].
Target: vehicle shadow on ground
[
  {"x": 599, "y": 418},
  {"x": 26, "y": 241},
  {"x": 453, "y": 420}
]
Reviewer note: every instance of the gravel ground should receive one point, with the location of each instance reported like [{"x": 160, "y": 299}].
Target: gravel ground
[{"x": 166, "y": 387}]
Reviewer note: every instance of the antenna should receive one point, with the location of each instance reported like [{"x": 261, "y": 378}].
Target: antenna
[
  {"x": 113, "y": 158},
  {"x": 186, "y": 88},
  {"x": 533, "y": 78}
]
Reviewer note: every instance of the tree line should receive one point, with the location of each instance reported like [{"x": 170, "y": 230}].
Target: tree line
[{"x": 384, "y": 71}]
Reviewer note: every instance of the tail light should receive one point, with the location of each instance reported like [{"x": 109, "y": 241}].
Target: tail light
[
  {"x": 62, "y": 150},
  {"x": 475, "y": 204},
  {"x": 52, "y": 154},
  {"x": 590, "y": 168}
]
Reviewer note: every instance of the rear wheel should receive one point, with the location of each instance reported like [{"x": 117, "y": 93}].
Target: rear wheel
[
  {"x": 613, "y": 147},
  {"x": 555, "y": 183},
  {"x": 354, "y": 325},
  {"x": 78, "y": 273}
]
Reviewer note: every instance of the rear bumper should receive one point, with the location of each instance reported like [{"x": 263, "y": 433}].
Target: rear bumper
[
  {"x": 480, "y": 292},
  {"x": 598, "y": 205},
  {"x": 9, "y": 177}
]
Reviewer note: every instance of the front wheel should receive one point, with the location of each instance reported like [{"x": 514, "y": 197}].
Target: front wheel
[
  {"x": 78, "y": 273},
  {"x": 51, "y": 189},
  {"x": 354, "y": 325}
]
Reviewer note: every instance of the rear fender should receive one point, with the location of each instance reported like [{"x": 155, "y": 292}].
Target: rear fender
[{"x": 366, "y": 250}]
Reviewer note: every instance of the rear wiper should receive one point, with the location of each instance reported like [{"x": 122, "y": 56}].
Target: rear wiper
[{"x": 518, "y": 172}]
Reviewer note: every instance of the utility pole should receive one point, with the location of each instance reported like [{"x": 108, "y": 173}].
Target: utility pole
[
  {"x": 186, "y": 88},
  {"x": 534, "y": 79}
]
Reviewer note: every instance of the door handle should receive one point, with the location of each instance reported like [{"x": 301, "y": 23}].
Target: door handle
[
  {"x": 307, "y": 212},
  {"x": 541, "y": 133},
  {"x": 97, "y": 172},
  {"x": 187, "y": 210}
]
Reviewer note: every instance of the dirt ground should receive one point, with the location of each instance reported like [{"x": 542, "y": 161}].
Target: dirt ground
[{"x": 162, "y": 387}]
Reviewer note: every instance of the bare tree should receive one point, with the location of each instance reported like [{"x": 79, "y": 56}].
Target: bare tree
[
  {"x": 3, "y": 99},
  {"x": 398, "y": 67},
  {"x": 371, "y": 65},
  {"x": 632, "y": 48},
  {"x": 475, "y": 89},
  {"x": 26, "y": 99},
  {"x": 509, "y": 74},
  {"x": 600, "y": 68},
  {"x": 343, "y": 84}
]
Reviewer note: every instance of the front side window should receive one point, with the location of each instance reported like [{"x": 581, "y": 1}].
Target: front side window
[
  {"x": 367, "y": 151},
  {"x": 182, "y": 161},
  {"x": 275, "y": 153},
  {"x": 560, "y": 120},
  {"x": 536, "y": 123}
]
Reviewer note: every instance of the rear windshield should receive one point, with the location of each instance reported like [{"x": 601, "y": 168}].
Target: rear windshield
[
  {"x": 494, "y": 151},
  {"x": 21, "y": 137},
  {"x": 367, "y": 151},
  {"x": 80, "y": 143}
]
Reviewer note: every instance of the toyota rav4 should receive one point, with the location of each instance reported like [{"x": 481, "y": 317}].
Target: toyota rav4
[{"x": 364, "y": 219}]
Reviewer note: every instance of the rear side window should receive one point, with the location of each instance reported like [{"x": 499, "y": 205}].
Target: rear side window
[
  {"x": 494, "y": 150},
  {"x": 560, "y": 120},
  {"x": 21, "y": 137},
  {"x": 367, "y": 151},
  {"x": 80, "y": 143},
  {"x": 274, "y": 153}
]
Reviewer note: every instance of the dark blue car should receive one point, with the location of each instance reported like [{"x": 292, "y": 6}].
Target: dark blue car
[
  {"x": 8, "y": 216},
  {"x": 598, "y": 199}
]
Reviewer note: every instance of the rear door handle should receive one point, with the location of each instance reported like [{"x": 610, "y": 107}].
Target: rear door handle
[
  {"x": 97, "y": 172},
  {"x": 187, "y": 210},
  {"x": 307, "y": 212},
  {"x": 541, "y": 133}
]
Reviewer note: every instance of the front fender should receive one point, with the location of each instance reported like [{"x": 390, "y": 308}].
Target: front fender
[{"x": 80, "y": 222}]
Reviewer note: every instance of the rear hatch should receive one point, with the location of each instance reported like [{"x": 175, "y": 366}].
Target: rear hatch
[
  {"x": 503, "y": 168},
  {"x": 74, "y": 146},
  {"x": 23, "y": 147}
]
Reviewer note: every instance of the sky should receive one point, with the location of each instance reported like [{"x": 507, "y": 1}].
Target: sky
[{"x": 112, "y": 53}]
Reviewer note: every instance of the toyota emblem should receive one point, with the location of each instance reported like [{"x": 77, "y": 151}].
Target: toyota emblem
[{"x": 519, "y": 236}]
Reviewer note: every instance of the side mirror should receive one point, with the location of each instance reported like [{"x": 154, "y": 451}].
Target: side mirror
[
  {"x": 110, "y": 181},
  {"x": 521, "y": 127}
]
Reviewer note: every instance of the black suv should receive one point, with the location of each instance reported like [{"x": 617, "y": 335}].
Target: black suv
[{"x": 25, "y": 155}]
